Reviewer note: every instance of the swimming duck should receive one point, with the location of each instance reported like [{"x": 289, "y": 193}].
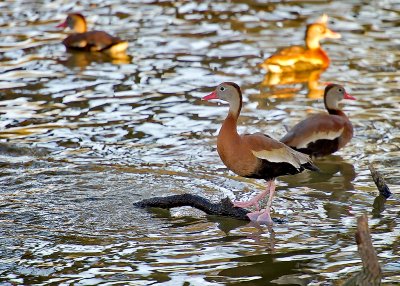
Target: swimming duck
[
  {"x": 298, "y": 58},
  {"x": 93, "y": 41}
]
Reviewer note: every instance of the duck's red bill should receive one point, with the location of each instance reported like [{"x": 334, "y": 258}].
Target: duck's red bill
[
  {"x": 348, "y": 96},
  {"x": 333, "y": 35},
  {"x": 62, "y": 25},
  {"x": 212, "y": 95}
]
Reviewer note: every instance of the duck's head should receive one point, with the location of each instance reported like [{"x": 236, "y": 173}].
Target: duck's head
[
  {"x": 76, "y": 22},
  {"x": 333, "y": 94},
  {"x": 229, "y": 92},
  {"x": 319, "y": 31}
]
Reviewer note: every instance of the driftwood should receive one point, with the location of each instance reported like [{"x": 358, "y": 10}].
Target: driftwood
[
  {"x": 371, "y": 273},
  {"x": 223, "y": 208},
  {"x": 379, "y": 182}
]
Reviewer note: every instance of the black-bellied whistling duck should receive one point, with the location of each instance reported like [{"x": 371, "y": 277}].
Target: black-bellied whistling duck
[
  {"x": 94, "y": 41},
  {"x": 323, "y": 134},
  {"x": 298, "y": 58},
  {"x": 254, "y": 155}
]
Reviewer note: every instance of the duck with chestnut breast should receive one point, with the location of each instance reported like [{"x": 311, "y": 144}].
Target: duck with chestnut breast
[
  {"x": 323, "y": 134},
  {"x": 298, "y": 58},
  {"x": 93, "y": 41},
  {"x": 254, "y": 155}
]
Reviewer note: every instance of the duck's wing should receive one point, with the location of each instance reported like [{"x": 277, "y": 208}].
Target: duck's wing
[
  {"x": 314, "y": 128},
  {"x": 91, "y": 41},
  {"x": 266, "y": 148},
  {"x": 286, "y": 56}
]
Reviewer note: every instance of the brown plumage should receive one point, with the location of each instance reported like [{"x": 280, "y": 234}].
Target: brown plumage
[
  {"x": 323, "y": 134},
  {"x": 93, "y": 41},
  {"x": 254, "y": 155},
  {"x": 298, "y": 58}
]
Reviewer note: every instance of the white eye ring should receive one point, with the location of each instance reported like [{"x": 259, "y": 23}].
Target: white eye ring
[{"x": 222, "y": 88}]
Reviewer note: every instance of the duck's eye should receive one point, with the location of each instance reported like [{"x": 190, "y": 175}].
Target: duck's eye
[
  {"x": 222, "y": 88},
  {"x": 340, "y": 90}
]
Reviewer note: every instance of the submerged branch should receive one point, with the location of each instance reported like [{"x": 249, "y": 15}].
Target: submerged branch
[
  {"x": 371, "y": 274},
  {"x": 223, "y": 208},
  {"x": 371, "y": 267}
]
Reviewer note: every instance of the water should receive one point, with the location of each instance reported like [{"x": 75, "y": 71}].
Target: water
[{"x": 83, "y": 136}]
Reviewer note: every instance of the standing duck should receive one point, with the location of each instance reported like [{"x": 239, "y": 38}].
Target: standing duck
[
  {"x": 323, "y": 134},
  {"x": 254, "y": 155},
  {"x": 94, "y": 41},
  {"x": 298, "y": 58}
]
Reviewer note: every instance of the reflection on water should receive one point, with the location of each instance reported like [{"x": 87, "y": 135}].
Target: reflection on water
[
  {"x": 82, "y": 136},
  {"x": 278, "y": 82},
  {"x": 332, "y": 185},
  {"x": 78, "y": 59}
]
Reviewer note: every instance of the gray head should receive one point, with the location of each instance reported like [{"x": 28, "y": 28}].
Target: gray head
[{"x": 333, "y": 94}]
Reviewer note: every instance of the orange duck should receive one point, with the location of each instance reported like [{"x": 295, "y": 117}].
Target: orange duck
[
  {"x": 94, "y": 41},
  {"x": 254, "y": 155},
  {"x": 323, "y": 134},
  {"x": 298, "y": 58}
]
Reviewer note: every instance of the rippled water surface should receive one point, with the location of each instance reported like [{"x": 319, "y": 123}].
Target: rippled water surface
[{"x": 84, "y": 136}]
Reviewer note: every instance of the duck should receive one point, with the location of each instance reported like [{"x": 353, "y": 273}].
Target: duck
[
  {"x": 303, "y": 58},
  {"x": 325, "y": 133},
  {"x": 254, "y": 155},
  {"x": 93, "y": 41}
]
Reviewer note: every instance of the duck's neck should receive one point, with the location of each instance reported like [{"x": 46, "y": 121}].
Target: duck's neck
[
  {"x": 312, "y": 43},
  {"x": 229, "y": 127},
  {"x": 333, "y": 108},
  {"x": 331, "y": 103},
  {"x": 80, "y": 26},
  {"x": 235, "y": 107},
  {"x": 336, "y": 112}
]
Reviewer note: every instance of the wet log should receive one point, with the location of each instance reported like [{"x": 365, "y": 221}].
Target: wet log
[
  {"x": 371, "y": 273},
  {"x": 223, "y": 208},
  {"x": 379, "y": 182}
]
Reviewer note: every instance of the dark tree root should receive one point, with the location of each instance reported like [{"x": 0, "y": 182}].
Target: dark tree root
[{"x": 223, "y": 208}]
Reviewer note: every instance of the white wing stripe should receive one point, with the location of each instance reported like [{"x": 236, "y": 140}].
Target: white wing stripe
[
  {"x": 330, "y": 135},
  {"x": 278, "y": 156}
]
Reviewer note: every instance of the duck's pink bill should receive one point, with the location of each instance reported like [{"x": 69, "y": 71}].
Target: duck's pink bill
[
  {"x": 62, "y": 25},
  {"x": 212, "y": 95},
  {"x": 348, "y": 96},
  {"x": 333, "y": 35}
]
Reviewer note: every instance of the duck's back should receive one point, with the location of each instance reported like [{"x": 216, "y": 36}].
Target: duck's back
[
  {"x": 296, "y": 58},
  {"x": 319, "y": 135},
  {"x": 95, "y": 41}
]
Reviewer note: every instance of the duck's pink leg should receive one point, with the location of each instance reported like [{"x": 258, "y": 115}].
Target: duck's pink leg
[
  {"x": 254, "y": 201},
  {"x": 265, "y": 216}
]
